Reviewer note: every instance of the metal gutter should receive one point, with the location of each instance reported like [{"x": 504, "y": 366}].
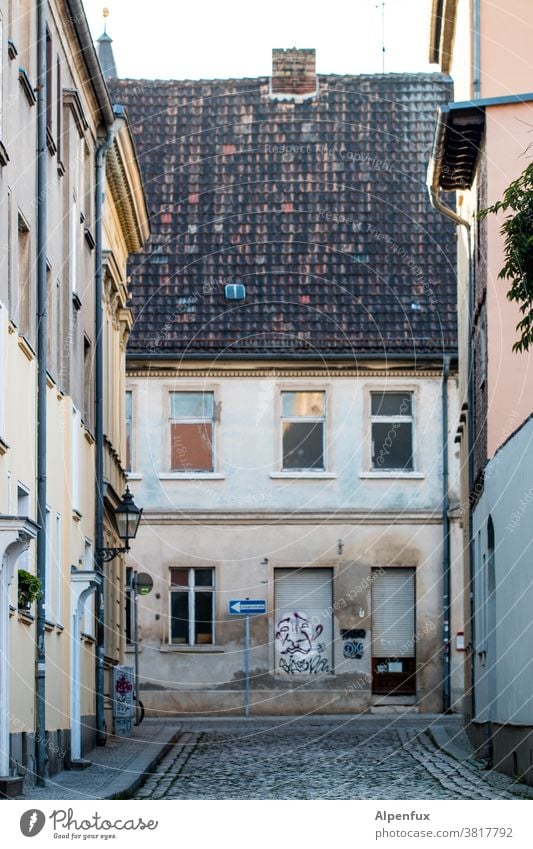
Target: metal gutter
[
  {"x": 476, "y": 49},
  {"x": 42, "y": 162},
  {"x": 446, "y": 576},
  {"x": 433, "y": 178},
  {"x": 433, "y": 174},
  {"x": 286, "y": 357}
]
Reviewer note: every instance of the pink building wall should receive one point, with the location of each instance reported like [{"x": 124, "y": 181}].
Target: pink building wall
[{"x": 510, "y": 375}]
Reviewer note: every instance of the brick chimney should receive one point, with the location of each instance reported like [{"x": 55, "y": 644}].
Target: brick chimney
[{"x": 293, "y": 74}]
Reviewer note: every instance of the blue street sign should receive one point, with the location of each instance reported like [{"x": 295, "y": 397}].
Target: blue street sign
[{"x": 246, "y": 606}]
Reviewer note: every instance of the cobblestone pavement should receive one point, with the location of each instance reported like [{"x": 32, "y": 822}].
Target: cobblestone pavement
[{"x": 320, "y": 758}]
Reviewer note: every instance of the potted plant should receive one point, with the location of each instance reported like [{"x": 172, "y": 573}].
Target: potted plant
[{"x": 29, "y": 589}]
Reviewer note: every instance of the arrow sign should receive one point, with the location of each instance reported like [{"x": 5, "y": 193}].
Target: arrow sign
[{"x": 246, "y": 606}]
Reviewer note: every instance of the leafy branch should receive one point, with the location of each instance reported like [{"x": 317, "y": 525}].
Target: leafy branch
[{"x": 518, "y": 249}]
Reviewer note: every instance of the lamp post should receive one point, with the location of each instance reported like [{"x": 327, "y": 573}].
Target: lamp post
[{"x": 127, "y": 517}]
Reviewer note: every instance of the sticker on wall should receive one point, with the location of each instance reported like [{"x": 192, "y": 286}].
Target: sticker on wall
[{"x": 299, "y": 649}]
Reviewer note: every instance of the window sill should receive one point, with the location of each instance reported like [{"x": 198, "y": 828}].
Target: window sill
[
  {"x": 393, "y": 475},
  {"x": 191, "y": 476},
  {"x": 4, "y": 447},
  {"x": 134, "y": 476},
  {"x": 303, "y": 475},
  {"x": 76, "y": 515},
  {"x": 26, "y": 348},
  {"x": 27, "y": 87},
  {"x": 26, "y": 617},
  {"x": 192, "y": 649}
]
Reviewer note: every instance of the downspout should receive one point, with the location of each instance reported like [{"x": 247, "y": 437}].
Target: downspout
[
  {"x": 40, "y": 653},
  {"x": 101, "y": 153},
  {"x": 439, "y": 206},
  {"x": 476, "y": 48},
  {"x": 446, "y": 568}
]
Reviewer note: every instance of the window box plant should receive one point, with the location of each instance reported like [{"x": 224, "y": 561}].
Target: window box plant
[{"x": 29, "y": 589}]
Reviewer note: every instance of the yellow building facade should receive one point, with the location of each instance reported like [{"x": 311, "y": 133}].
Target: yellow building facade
[{"x": 81, "y": 237}]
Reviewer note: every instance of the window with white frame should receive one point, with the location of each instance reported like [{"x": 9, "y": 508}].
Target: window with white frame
[
  {"x": 48, "y": 587},
  {"x": 391, "y": 422},
  {"x": 129, "y": 430},
  {"x": 192, "y": 606},
  {"x": 88, "y": 565},
  {"x": 59, "y": 570},
  {"x": 75, "y": 460},
  {"x": 74, "y": 247},
  {"x": 303, "y": 426},
  {"x": 192, "y": 424}
]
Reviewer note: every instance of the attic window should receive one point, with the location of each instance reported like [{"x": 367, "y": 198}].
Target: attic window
[{"x": 234, "y": 292}]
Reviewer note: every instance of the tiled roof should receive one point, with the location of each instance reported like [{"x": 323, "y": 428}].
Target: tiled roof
[{"x": 319, "y": 208}]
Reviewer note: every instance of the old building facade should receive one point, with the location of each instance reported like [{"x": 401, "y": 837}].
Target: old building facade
[
  {"x": 291, "y": 375},
  {"x": 50, "y": 443},
  {"x": 481, "y": 145}
]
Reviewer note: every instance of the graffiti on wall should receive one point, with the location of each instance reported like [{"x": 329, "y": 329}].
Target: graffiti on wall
[{"x": 298, "y": 648}]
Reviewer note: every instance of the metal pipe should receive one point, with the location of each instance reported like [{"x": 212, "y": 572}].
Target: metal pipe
[
  {"x": 476, "y": 49},
  {"x": 101, "y": 152},
  {"x": 439, "y": 206},
  {"x": 42, "y": 155},
  {"x": 447, "y": 701}
]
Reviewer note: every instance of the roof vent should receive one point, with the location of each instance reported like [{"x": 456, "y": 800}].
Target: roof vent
[
  {"x": 234, "y": 292},
  {"x": 293, "y": 74}
]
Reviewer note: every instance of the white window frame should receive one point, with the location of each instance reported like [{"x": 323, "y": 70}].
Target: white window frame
[
  {"x": 59, "y": 570},
  {"x": 192, "y": 420},
  {"x": 324, "y": 419},
  {"x": 88, "y": 565},
  {"x": 377, "y": 471},
  {"x": 74, "y": 247},
  {"x": 129, "y": 422},
  {"x": 191, "y": 589},
  {"x": 75, "y": 460},
  {"x": 48, "y": 594}
]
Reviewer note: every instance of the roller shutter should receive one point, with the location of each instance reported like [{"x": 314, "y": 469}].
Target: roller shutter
[
  {"x": 393, "y": 613},
  {"x": 303, "y": 628}
]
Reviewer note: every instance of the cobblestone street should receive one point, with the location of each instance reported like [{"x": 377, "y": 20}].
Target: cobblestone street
[{"x": 364, "y": 757}]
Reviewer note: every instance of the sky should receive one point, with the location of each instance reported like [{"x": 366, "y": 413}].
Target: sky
[{"x": 169, "y": 39}]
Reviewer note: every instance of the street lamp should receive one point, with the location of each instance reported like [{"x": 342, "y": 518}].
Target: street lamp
[{"x": 127, "y": 517}]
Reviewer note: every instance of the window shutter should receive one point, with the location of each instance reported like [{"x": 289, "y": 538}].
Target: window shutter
[
  {"x": 393, "y": 613},
  {"x": 303, "y": 621}
]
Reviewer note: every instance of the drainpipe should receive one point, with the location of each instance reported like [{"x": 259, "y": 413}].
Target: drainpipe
[
  {"x": 101, "y": 153},
  {"x": 446, "y": 700},
  {"x": 40, "y": 654},
  {"x": 439, "y": 206},
  {"x": 476, "y": 49}
]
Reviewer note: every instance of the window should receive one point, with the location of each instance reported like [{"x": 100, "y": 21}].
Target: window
[
  {"x": 192, "y": 607},
  {"x": 129, "y": 601},
  {"x": 75, "y": 460},
  {"x": 87, "y": 382},
  {"x": 74, "y": 224},
  {"x": 129, "y": 430},
  {"x": 49, "y": 83},
  {"x": 59, "y": 570},
  {"x": 24, "y": 279},
  {"x": 303, "y": 419},
  {"x": 88, "y": 564},
  {"x": 48, "y": 594},
  {"x": 191, "y": 431},
  {"x": 392, "y": 431}
]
